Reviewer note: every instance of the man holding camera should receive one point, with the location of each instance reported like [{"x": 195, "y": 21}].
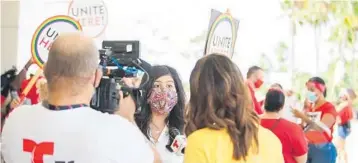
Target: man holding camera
[{"x": 65, "y": 129}]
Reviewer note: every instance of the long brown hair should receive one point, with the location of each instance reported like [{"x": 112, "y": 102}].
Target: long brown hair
[{"x": 219, "y": 99}]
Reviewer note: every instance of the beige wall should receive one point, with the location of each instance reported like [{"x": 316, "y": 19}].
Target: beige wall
[{"x": 10, "y": 12}]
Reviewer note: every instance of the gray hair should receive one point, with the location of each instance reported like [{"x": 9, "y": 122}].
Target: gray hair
[{"x": 73, "y": 57}]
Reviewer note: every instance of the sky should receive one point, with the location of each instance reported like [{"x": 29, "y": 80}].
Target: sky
[{"x": 165, "y": 29}]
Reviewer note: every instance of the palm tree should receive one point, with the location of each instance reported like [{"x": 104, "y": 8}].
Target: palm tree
[{"x": 344, "y": 17}]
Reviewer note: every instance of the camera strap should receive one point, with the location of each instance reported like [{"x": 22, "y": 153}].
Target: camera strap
[{"x": 274, "y": 126}]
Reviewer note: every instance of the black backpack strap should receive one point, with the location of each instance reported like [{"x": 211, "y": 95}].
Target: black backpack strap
[{"x": 274, "y": 126}]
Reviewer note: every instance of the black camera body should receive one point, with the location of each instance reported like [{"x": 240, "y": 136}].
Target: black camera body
[
  {"x": 118, "y": 59},
  {"x": 6, "y": 79}
]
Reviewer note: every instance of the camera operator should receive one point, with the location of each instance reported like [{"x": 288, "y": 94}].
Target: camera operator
[
  {"x": 65, "y": 128},
  {"x": 129, "y": 113}
]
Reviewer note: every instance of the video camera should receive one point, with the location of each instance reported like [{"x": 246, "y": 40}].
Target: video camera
[
  {"x": 119, "y": 59},
  {"x": 6, "y": 79}
]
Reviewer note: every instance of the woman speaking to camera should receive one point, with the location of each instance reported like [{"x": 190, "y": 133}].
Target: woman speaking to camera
[{"x": 163, "y": 110}]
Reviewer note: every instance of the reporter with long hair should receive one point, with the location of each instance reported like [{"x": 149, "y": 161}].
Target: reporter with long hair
[
  {"x": 163, "y": 109},
  {"x": 222, "y": 126}
]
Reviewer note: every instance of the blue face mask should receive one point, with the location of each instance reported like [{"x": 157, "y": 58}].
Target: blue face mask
[{"x": 311, "y": 97}]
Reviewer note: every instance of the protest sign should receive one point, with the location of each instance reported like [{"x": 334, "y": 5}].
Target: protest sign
[
  {"x": 47, "y": 32},
  {"x": 91, "y": 14},
  {"x": 222, "y": 34},
  {"x": 41, "y": 42}
]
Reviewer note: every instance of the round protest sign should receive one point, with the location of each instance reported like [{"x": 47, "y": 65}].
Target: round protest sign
[
  {"x": 92, "y": 15},
  {"x": 222, "y": 35},
  {"x": 47, "y": 32}
]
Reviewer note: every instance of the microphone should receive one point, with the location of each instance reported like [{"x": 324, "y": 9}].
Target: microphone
[{"x": 177, "y": 141}]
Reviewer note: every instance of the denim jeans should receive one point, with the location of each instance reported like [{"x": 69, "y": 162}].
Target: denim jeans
[
  {"x": 344, "y": 131},
  {"x": 322, "y": 153}
]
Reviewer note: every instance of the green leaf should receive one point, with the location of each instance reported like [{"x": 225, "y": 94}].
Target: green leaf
[
  {"x": 333, "y": 7},
  {"x": 350, "y": 37},
  {"x": 348, "y": 22},
  {"x": 355, "y": 8},
  {"x": 286, "y": 4},
  {"x": 335, "y": 34}
]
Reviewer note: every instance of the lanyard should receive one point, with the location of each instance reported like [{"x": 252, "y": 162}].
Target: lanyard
[{"x": 65, "y": 107}]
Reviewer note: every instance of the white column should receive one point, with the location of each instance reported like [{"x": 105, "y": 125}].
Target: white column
[{"x": 10, "y": 12}]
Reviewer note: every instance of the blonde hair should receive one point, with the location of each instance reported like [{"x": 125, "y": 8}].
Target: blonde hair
[{"x": 42, "y": 89}]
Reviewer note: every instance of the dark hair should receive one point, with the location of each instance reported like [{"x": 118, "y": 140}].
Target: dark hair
[
  {"x": 7, "y": 78},
  {"x": 274, "y": 101},
  {"x": 219, "y": 98},
  {"x": 176, "y": 116},
  {"x": 252, "y": 70},
  {"x": 277, "y": 85},
  {"x": 320, "y": 81}
]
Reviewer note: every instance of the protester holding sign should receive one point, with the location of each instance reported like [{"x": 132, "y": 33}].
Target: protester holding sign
[
  {"x": 66, "y": 129},
  {"x": 10, "y": 85},
  {"x": 320, "y": 119},
  {"x": 21, "y": 76},
  {"x": 222, "y": 126},
  {"x": 32, "y": 95}
]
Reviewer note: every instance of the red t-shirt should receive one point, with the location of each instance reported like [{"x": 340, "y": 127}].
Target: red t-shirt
[
  {"x": 257, "y": 105},
  {"x": 346, "y": 114},
  {"x": 33, "y": 94},
  {"x": 291, "y": 136},
  {"x": 2, "y": 100},
  {"x": 316, "y": 115}
]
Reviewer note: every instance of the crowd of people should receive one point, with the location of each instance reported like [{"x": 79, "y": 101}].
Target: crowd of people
[{"x": 223, "y": 120}]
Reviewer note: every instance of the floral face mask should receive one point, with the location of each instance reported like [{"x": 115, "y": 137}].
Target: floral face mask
[{"x": 162, "y": 101}]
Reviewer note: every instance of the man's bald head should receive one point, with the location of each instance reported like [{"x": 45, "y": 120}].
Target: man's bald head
[{"x": 72, "y": 57}]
